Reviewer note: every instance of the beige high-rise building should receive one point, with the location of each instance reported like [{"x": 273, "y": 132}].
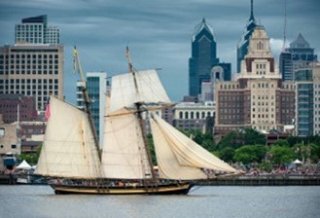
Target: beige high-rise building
[
  {"x": 258, "y": 98},
  {"x": 32, "y": 70}
]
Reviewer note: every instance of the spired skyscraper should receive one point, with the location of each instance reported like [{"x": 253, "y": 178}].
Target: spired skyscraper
[
  {"x": 203, "y": 58},
  {"x": 242, "y": 48}
]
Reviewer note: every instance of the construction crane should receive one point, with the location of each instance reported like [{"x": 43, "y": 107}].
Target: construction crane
[{"x": 77, "y": 68}]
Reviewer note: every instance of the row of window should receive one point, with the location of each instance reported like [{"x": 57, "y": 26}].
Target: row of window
[
  {"x": 28, "y": 56},
  {"x": 194, "y": 115},
  {"x": 29, "y": 81}
]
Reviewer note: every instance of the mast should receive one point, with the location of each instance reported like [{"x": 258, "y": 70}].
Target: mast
[
  {"x": 86, "y": 98},
  {"x": 139, "y": 114}
]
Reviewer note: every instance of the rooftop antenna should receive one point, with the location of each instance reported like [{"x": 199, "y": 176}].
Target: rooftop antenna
[{"x": 285, "y": 26}]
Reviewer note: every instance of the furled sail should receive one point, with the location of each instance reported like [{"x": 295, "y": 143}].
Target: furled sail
[
  {"x": 179, "y": 157},
  {"x": 124, "y": 155},
  {"x": 68, "y": 149},
  {"x": 142, "y": 86}
]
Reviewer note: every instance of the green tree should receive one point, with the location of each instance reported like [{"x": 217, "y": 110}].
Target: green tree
[
  {"x": 31, "y": 158},
  {"x": 253, "y": 137},
  {"x": 227, "y": 154},
  {"x": 282, "y": 143},
  {"x": 250, "y": 153},
  {"x": 281, "y": 155}
]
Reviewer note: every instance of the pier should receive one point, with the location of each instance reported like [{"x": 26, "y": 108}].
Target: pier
[{"x": 265, "y": 181}]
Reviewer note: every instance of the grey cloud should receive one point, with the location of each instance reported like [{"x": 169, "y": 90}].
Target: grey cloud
[{"x": 158, "y": 32}]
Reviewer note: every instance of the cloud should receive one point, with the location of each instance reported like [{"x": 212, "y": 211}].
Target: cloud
[{"x": 158, "y": 32}]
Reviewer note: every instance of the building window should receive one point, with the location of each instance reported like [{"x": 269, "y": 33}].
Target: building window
[
  {"x": 2, "y": 132},
  {"x": 180, "y": 115},
  {"x": 13, "y": 146}
]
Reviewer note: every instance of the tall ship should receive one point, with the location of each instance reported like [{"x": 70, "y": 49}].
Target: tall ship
[{"x": 74, "y": 162}]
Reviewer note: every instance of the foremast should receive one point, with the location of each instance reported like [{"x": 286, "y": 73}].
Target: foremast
[
  {"x": 139, "y": 111},
  {"x": 86, "y": 98}
]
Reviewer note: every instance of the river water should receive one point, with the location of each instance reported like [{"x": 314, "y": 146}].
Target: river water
[{"x": 207, "y": 201}]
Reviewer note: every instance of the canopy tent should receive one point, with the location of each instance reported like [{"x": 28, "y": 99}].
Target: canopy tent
[
  {"x": 24, "y": 165},
  {"x": 297, "y": 161}
]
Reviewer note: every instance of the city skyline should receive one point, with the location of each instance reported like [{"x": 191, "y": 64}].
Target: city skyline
[{"x": 158, "y": 33}]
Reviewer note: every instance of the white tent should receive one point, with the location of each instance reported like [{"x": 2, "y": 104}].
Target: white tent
[
  {"x": 297, "y": 161},
  {"x": 24, "y": 165}
]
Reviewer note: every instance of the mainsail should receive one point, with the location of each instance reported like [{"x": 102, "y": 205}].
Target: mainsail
[
  {"x": 124, "y": 155},
  {"x": 68, "y": 149},
  {"x": 141, "y": 86},
  {"x": 179, "y": 157}
]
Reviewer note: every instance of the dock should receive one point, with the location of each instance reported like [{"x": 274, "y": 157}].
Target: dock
[{"x": 264, "y": 181}]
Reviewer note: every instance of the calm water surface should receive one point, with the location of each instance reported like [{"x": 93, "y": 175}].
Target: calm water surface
[{"x": 210, "y": 201}]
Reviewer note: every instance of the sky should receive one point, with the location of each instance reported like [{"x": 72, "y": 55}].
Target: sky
[{"x": 158, "y": 33}]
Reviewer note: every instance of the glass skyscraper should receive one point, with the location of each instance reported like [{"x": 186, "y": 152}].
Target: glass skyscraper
[
  {"x": 97, "y": 88},
  {"x": 35, "y": 30},
  {"x": 203, "y": 58},
  {"x": 298, "y": 56}
]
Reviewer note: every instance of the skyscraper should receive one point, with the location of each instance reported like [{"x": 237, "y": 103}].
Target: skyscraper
[
  {"x": 97, "y": 88},
  {"x": 32, "y": 70},
  {"x": 298, "y": 56},
  {"x": 242, "y": 48},
  {"x": 31, "y": 67},
  {"x": 203, "y": 58},
  {"x": 35, "y": 30}
]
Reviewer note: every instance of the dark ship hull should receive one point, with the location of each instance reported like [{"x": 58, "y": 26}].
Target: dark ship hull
[{"x": 168, "y": 188}]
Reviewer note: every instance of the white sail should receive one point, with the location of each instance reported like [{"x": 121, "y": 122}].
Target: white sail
[
  {"x": 146, "y": 87},
  {"x": 124, "y": 155},
  {"x": 68, "y": 149},
  {"x": 181, "y": 158}
]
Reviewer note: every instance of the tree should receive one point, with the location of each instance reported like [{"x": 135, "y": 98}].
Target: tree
[
  {"x": 282, "y": 143},
  {"x": 227, "y": 154},
  {"x": 281, "y": 155},
  {"x": 253, "y": 137},
  {"x": 250, "y": 153}
]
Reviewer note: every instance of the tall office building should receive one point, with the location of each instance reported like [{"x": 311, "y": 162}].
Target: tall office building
[
  {"x": 32, "y": 70},
  {"x": 35, "y": 30},
  {"x": 242, "y": 48},
  {"x": 203, "y": 58},
  {"x": 304, "y": 104},
  {"x": 316, "y": 94},
  {"x": 298, "y": 56},
  {"x": 257, "y": 99},
  {"x": 97, "y": 89},
  {"x": 32, "y": 67}
]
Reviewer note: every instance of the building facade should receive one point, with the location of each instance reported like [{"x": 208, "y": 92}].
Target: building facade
[
  {"x": 242, "y": 47},
  {"x": 17, "y": 107},
  {"x": 298, "y": 56},
  {"x": 9, "y": 141},
  {"x": 97, "y": 89},
  {"x": 32, "y": 70},
  {"x": 316, "y": 103},
  {"x": 191, "y": 116},
  {"x": 35, "y": 30},
  {"x": 257, "y": 99}
]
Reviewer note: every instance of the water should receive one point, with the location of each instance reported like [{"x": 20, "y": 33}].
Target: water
[{"x": 210, "y": 201}]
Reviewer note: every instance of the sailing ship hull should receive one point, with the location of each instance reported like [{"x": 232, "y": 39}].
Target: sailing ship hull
[{"x": 182, "y": 188}]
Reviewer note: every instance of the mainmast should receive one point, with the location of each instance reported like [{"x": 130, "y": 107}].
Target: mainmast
[
  {"x": 78, "y": 69},
  {"x": 139, "y": 113}
]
